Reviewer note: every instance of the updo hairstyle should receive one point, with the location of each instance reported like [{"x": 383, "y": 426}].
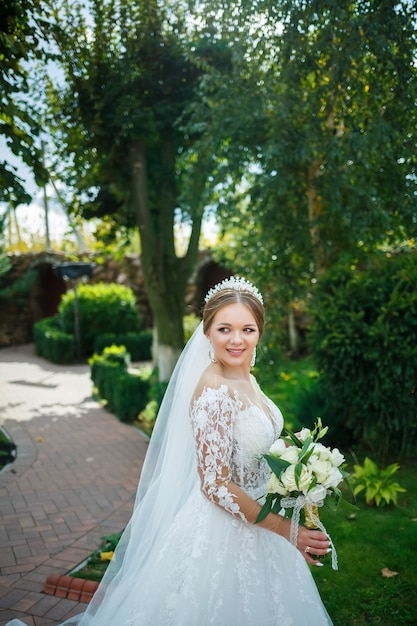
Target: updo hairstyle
[{"x": 232, "y": 296}]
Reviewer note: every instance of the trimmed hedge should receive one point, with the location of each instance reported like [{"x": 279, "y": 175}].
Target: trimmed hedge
[
  {"x": 126, "y": 393},
  {"x": 139, "y": 345},
  {"x": 364, "y": 342},
  {"x": 103, "y": 308},
  {"x": 52, "y": 343}
]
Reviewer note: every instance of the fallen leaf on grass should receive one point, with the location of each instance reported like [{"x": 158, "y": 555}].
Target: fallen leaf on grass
[{"x": 387, "y": 573}]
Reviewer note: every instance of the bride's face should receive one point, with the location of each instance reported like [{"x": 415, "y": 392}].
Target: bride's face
[{"x": 234, "y": 335}]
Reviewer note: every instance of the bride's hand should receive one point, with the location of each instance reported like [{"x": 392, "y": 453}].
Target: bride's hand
[{"x": 312, "y": 543}]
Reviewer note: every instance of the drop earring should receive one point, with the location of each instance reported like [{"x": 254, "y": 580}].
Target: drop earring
[
  {"x": 253, "y": 359},
  {"x": 211, "y": 354}
]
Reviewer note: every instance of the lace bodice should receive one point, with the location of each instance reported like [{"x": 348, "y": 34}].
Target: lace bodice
[{"x": 231, "y": 435}]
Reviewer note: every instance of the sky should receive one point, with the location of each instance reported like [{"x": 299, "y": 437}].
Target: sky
[{"x": 31, "y": 219}]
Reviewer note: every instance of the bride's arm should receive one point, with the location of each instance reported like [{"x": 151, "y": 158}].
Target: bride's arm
[{"x": 212, "y": 418}]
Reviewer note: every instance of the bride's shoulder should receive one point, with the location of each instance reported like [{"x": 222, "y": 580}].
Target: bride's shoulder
[{"x": 212, "y": 384}]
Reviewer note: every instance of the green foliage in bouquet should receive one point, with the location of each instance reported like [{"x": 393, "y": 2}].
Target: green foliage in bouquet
[
  {"x": 316, "y": 471},
  {"x": 376, "y": 484}
]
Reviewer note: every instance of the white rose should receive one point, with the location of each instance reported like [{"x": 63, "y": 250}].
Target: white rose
[
  {"x": 277, "y": 448},
  {"x": 322, "y": 452},
  {"x": 290, "y": 454},
  {"x": 337, "y": 457},
  {"x": 304, "y": 433},
  {"x": 335, "y": 477},
  {"x": 321, "y": 469},
  {"x": 275, "y": 486},
  {"x": 288, "y": 479},
  {"x": 305, "y": 478},
  {"x": 317, "y": 494}
]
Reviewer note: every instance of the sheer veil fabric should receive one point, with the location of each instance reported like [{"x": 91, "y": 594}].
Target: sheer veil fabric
[
  {"x": 183, "y": 561},
  {"x": 168, "y": 476}
]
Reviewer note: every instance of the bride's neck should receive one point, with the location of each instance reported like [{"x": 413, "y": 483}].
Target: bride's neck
[{"x": 231, "y": 373}]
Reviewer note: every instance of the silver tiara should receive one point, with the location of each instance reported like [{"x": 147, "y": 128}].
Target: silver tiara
[{"x": 236, "y": 283}]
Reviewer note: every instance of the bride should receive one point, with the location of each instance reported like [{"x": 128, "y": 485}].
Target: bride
[{"x": 192, "y": 554}]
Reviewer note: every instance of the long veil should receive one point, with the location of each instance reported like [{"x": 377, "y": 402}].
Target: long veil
[{"x": 169, "y": 474}]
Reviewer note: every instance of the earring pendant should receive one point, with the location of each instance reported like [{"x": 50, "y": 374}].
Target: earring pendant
[{"x": 212, "y": 356}]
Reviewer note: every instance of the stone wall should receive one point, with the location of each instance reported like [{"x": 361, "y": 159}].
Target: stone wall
[{"x": 18, "y": 313}]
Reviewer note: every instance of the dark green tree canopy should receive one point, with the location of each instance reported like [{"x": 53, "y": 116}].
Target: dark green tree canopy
[
  {"x": 132, "y": 73},
  {"x": 23, "y": 32},
  {"x": 333, "y": 95}
]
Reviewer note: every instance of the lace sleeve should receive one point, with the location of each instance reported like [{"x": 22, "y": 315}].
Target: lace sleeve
[{"x": 212, "y": 417}]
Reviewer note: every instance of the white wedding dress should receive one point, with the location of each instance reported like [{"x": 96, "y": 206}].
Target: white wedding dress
[
  {"x": 215, "y": 568},
  {"x": 205, "y": 564}
]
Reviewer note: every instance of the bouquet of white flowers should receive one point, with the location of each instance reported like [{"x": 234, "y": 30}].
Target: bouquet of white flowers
[{"x": 304, "y": 475}]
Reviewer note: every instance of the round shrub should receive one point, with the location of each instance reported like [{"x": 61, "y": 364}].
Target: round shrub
[
  {"x": 51, "y": 342},
  {"x": 364, "y": 342},
  {"x": 103, "y": 308}
]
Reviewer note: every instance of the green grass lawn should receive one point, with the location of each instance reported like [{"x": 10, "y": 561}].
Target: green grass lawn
[{"x": 368, "y": 541}]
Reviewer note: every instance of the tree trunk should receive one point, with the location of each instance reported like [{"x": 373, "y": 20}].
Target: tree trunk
[
  {"x": 292, "y": 331},
  {"x": 314, "y": 210},
  {"x": 165, "y": 274}
]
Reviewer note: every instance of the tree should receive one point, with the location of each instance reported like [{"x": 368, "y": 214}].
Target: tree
[
  {"x": 130, "y": 79},
  {"x": 343, "y": 128},
  {"x": 4, "y": 261},
  {"x": 332, "y": 159},
  {"x": 363, "y": 341},
  {"x": 22, "y": 31},
  {"x": 322, "y": 140}
]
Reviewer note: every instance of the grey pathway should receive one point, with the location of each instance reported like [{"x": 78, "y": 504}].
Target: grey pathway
[{"x": 73, "y": 482}]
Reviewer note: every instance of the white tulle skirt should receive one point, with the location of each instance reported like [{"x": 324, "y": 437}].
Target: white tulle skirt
[{"x": 210, "y": 569}]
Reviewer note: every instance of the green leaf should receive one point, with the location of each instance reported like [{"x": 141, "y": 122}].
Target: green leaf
[
  {"x": 292, "y": 439},
  {"x": 297, "y": 473},
  {"x": 266, "y": 509},
  {"x": 304, "y": 448},
  {"x": 277, "y": 506},
  {"x": 277, "y": 465}
]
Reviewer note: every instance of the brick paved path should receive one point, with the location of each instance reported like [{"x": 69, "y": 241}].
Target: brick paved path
[{"x": 73, "y": 482}]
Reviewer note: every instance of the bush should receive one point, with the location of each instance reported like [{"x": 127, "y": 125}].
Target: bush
[
  {"x": 125, "y": 392},
  {"x": 363, "y": 341},
  {"x": 19, "y": 290},
  {"x": 52, "y": 343},
  {"x": 8, "y": 450},
  {"x": 103, "y": 308},
  {"x": 190, "y": 322},
  {"x": 148, "y": 415},
  {"x": 130, "y": 395},
  {"x": 139, "y": 345},
  {"x": 377, "y": 485}
]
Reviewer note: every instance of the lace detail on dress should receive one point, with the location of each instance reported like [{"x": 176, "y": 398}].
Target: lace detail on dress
[{"x": 231, "y": 437}]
